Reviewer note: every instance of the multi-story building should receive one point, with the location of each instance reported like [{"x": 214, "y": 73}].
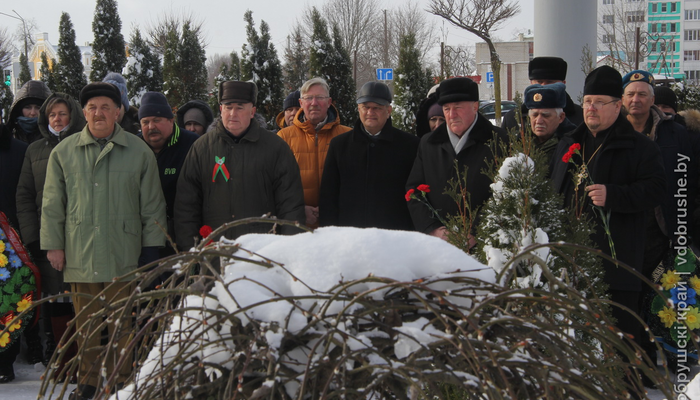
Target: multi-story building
[
  {"x": 41, "y": 45},
  {"x": 515, "y": 57},
  {"x": 669, "y": 37}
]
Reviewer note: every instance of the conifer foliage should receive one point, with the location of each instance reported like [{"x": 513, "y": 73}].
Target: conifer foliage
[
  {"x": 411, "y": 85},
  {"x": 184, "y": 69},
  {"x": 230, "y": 71},
  {"x": 143, "y": 70},
  {"x": 70, "y": 78},
  {"x": 330, "y": 61},
  {"x": 108, "y": 48},
  {"x": 46, "y": 71},
  {"x": 24, "y": 74},
  {"x": 296, "y": 56},
  {"x": 260, "y": 64}
]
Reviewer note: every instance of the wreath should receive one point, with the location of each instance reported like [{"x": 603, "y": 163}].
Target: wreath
[{"x": 20, "y": 282}]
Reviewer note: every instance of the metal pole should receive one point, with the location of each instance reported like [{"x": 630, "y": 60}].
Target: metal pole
[
  {"x": 386, "y": 43},
  {"x": 636, "y": 47}
]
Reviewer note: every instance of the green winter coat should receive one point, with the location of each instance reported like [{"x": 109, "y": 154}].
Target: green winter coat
[{"x": 102, "y": 206}]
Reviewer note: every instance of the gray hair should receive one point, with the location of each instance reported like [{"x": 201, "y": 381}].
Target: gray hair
[{"x": 312, "y": 82}]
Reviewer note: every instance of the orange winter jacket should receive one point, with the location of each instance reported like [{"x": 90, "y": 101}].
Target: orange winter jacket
[{"x": 310, "y": 148}]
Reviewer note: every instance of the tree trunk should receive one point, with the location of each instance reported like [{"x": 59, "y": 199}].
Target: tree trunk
[{"x": 496, "y": 68}]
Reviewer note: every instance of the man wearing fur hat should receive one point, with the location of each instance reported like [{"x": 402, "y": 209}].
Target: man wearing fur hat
[
  {"x": 170, "y": 143},
  {"x": 545, "y": 71},
  {"x": 464, "y": 137},
  {"x": 236, "y": 170},
  {"x": 102, "y": 207},
  {"x": 628, "y": 174},
  {"x": 545, "y": 110}
]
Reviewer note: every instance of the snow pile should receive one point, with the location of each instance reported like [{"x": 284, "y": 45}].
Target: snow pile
[
  {"x": 512, "y": 232},
  {"x": 294, "y": 284}
]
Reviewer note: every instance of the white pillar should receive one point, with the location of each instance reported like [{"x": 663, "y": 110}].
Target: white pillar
[{"x": 562, "y": 29}]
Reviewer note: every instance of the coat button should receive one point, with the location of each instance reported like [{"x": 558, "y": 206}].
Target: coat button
[{"x": 97, "y": 184}]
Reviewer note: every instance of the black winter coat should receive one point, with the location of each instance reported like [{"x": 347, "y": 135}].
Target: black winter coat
[
  {"x": 11, "y": 155},
  {"x": 364, "y": 179},
  {"x": 33, "y": 89},
  {"x": 630, "y": 166},
  {"x": 434, "y": 166},
  {"x": 263, "y": 177},
  {"x": 170, "y": 159}
]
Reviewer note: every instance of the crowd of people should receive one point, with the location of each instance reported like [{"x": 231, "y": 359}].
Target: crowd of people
[{"x": 89, "y": 182}]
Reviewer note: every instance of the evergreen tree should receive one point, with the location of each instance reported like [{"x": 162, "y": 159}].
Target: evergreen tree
[
  {"x": 184, "y": 69},
  {"x": 296, "y": 57},
  {"x": 261, "y": 65},
  {"x": 411, "y": 85},
  {"x": 330, "y": 61},
  {"x": 6, "y": 98},
  {"x": 234, "y": 69},
  {"x": 24, "y": 74},
  {"x": 108, "y": 48},
  {"x": 46, "y": 71},
  {"x": 193, "y": 68},
  {"x": 69, "y": 71},
  {"x": 143, "y": 70}
]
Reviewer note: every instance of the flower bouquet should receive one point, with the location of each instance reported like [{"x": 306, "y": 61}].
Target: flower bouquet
[
  {"x": 675, "y": 315},
  {"x": 19, "y": 285}
]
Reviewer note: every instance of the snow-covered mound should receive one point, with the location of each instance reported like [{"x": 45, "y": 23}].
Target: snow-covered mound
[{"x": 314, "y": 268}]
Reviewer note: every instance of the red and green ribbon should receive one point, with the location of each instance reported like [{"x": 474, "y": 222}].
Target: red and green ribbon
[{"x": 220, "y": 166}]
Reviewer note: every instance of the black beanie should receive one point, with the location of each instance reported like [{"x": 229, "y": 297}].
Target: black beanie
[
  {"x": 458, "y": 89},
  {"x": 292, "y": 100},
  {"x": 550, "y": 68},
  {"x": 605, "y": 81},
  {"x": 97, "y": 89},
  {"x": 154, "y": 104},
  {"x": 666, "y": 96}
]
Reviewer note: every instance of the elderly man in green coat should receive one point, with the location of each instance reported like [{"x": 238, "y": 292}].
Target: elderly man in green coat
[{"x": 102, "y": 208}]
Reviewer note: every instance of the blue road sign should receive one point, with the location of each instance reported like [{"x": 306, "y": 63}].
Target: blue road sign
[
  {"x": 385, "y": 74},
  {"x": 489, "y": 77}
]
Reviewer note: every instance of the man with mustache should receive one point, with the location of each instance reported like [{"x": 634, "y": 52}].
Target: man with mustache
[
  {"x": 309, "y": 137},
  {"x": 101, "y": 209},
  {"x": 545, "y": 110},
  {"x": 170, "y": 143}
]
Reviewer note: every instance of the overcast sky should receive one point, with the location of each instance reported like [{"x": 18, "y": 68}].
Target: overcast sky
[{"x": 223, "y": 19}]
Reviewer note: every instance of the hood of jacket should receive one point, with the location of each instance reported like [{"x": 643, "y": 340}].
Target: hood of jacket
[
  {"x": 77, "y": 118},
  {"x": 692, "y": 119},
  {"x": 208, "y": 114},
  {"x": 30, "y": 90}
]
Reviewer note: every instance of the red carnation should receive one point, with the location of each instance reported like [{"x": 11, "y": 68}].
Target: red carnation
[
  {"x": 574, "y": 147},
  {"x": 205, "y": 231},
  {"x": 567, "y": 157},
  {"x": 424, "y": 188},
  {"x": 409, "y": 193}
]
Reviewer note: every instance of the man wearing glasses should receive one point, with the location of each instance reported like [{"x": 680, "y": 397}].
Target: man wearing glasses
[
  {"x": 309, "y": 136},
  {"x": 626, "y": 181}
]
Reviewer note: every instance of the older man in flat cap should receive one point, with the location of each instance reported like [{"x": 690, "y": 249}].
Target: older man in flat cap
[
  {"x": 545, "y": 71},
  {"x": 628, "y": 174},
  {"x": 545, "y": 110},
  {"x": 236, "y": 170},
  {"x": 102, "y": 208},
  {"x": 463, "y": 137}
]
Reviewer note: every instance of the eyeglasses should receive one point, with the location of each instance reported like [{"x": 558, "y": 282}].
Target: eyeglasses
[
  {"x": 312, "y": 98},
  {"x": 596, "y": 104}
]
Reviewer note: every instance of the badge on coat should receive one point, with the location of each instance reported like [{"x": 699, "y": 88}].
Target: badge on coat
[{"x": 220, "y": 167}]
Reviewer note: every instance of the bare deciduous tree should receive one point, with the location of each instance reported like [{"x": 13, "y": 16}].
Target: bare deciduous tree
[
  {"x": 5, "y": 48},
  {"x": 479, "y": 17},
  {"x": 617, "y": 24},
  {"x": 459, "y": 60}
]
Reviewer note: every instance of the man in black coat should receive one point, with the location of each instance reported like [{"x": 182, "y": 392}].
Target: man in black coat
[
  {"x": 544, "y": 71},
  {"x": 170, "y": 144},
  {"x": 366, "y": 168},
  {"x": 464, "y": 137},
  {"x": 628, "y": 174}
]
